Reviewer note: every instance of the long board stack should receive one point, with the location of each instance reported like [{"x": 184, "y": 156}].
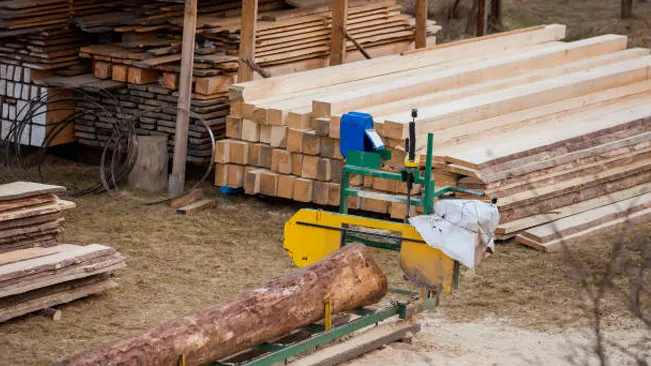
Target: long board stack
[
  {"x": 30, "y": 215},
  {"x": 557, "y": 131},
  {"x": 148, "y": 57},
  {"x": 39, "y": 278}
]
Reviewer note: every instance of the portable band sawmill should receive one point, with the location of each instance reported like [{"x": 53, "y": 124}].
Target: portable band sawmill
[{"x": 311, "y": 235}]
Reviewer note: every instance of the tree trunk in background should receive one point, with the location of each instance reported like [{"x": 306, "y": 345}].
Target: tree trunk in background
[
  {"x": 349, "y": 278},
  {"x": 627, "y": 9}
]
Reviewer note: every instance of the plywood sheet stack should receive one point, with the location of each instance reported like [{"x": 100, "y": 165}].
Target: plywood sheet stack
[
  {"x": 540, "y": 124},
  {"x": 30, "y": 215}
]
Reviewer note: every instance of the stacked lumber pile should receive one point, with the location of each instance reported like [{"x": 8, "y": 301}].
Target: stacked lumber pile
[
  {"x": 30, "y": 215},
  {"x": 148, "y": 60},
  {"x": 553, "y": 129},
  {"x": 21, "y": 17},
  {"x": 35, "y": 272},
  {"x": 153, "y": 109},
  {"x": 38, "y": 278}
]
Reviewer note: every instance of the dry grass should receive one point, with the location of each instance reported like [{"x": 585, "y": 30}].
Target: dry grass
[
  {"x": 583, "y": 18},
  {"x": 178, "y": 264}
]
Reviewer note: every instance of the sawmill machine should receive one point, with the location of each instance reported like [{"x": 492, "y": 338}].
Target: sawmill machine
[{"x": 312, "y": 234}]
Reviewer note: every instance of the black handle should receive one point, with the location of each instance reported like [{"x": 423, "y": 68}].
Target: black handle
[{"x": 412, "y": 135}]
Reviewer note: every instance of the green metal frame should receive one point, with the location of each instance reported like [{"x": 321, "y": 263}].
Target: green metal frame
[
  {"x": 276, "y": 352},
  {"x": 369, "y": 164}
]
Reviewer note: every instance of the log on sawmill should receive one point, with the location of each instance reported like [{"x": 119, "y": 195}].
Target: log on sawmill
[{"x": 348, "y": 278}]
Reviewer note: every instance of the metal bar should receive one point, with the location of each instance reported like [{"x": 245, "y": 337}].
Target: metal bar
[
  {"x": 446, "y": 189},
  {"x": 374, "y": 244},
  {"x": 341, "y": 229},
  {"x": 372, "y": 173},
  {"x": 429, "y": 181},
  {"x": 345, "y": 183},
  {"x": 359, "y": 46},
  {"x": 325, "y": 337},
  {"x": 355, "y": 192}
]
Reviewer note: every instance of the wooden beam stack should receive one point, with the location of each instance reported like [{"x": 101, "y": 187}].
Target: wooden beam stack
[
  {"x": 30, "y": 215},
  {"x": 543, "y": 125}
]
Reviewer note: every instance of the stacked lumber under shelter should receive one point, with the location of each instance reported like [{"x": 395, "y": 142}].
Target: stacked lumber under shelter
[
  {"x": 35, "y": 272},
  {"x": 557, "y": 131},
  {"x": 137, "y": 44},
  {"x": 148, "y": 60}
]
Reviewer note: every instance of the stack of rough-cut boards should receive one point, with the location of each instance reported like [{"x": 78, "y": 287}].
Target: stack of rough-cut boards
[
  {"x": 30, "y": 215},
  {"x": 19, "y": 17},
  {"x": 39, "y": 278},
  {"x": 35, "y": 272},
  {"x": 558, "y": 131},
  {"x": 153, "y": 109}
]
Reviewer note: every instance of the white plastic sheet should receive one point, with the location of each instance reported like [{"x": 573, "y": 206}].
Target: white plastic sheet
[{"x": 462, "y": 229}]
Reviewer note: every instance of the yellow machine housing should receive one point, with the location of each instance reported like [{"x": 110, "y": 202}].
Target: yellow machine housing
[{"x": 313, "y": 234}]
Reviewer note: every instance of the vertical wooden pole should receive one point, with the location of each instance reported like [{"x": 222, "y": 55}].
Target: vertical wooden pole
[
  {"x": 481, "y": 18},
  {"x": 177, "y": 178},
  {"x": 496, "y": 15},
  {"x": 627, "y": 9},
  {"x": 247, "y": 39},
  {"x": 421, "y": 24},
  {"x": 337, "y": 39}
]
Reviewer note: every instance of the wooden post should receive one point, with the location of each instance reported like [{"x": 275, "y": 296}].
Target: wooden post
[
  {"x": 339, "y": 29},
  {"x": 247, "y": 39},
  {"x": 627, "y": 9},
  {"x": 177, "y": 178},
  {"x": 421, "y": 24},
  {"x": 481, "y": 18}
]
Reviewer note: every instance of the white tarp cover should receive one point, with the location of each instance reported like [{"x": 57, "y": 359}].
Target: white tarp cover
[{"x": 462, "y": 229}]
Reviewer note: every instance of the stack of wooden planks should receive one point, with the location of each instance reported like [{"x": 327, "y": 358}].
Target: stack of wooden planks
[
  {"x": 30, "y": 215},
  {"x": 153, "y": 111},
  {"x": 554, "y": 130},
  {"x": 39, "y": 278},
  {"x": 35, "y": 272},
  {"x": 20, "y": 17},
  {"x": 148, "y": 59}
]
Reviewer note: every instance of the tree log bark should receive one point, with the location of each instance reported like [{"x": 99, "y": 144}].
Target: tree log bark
[
  {"x": 349, "y": 278},
  {"x": 150, "y": 170}
]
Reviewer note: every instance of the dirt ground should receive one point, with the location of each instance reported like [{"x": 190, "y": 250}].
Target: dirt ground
[{"x": 519, "y": 301}]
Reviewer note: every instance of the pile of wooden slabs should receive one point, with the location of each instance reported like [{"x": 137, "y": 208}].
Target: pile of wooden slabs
[
  {"x": 38, "y": 278},
  {"x": 152, "y": 109},
  {"x": 552, "y": 129},
  {"x": 30, "y": 215},
  {"x": 20, "y": 17}
]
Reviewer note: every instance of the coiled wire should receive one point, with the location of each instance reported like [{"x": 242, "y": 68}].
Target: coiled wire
[{"x": 118, "y": 153}]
